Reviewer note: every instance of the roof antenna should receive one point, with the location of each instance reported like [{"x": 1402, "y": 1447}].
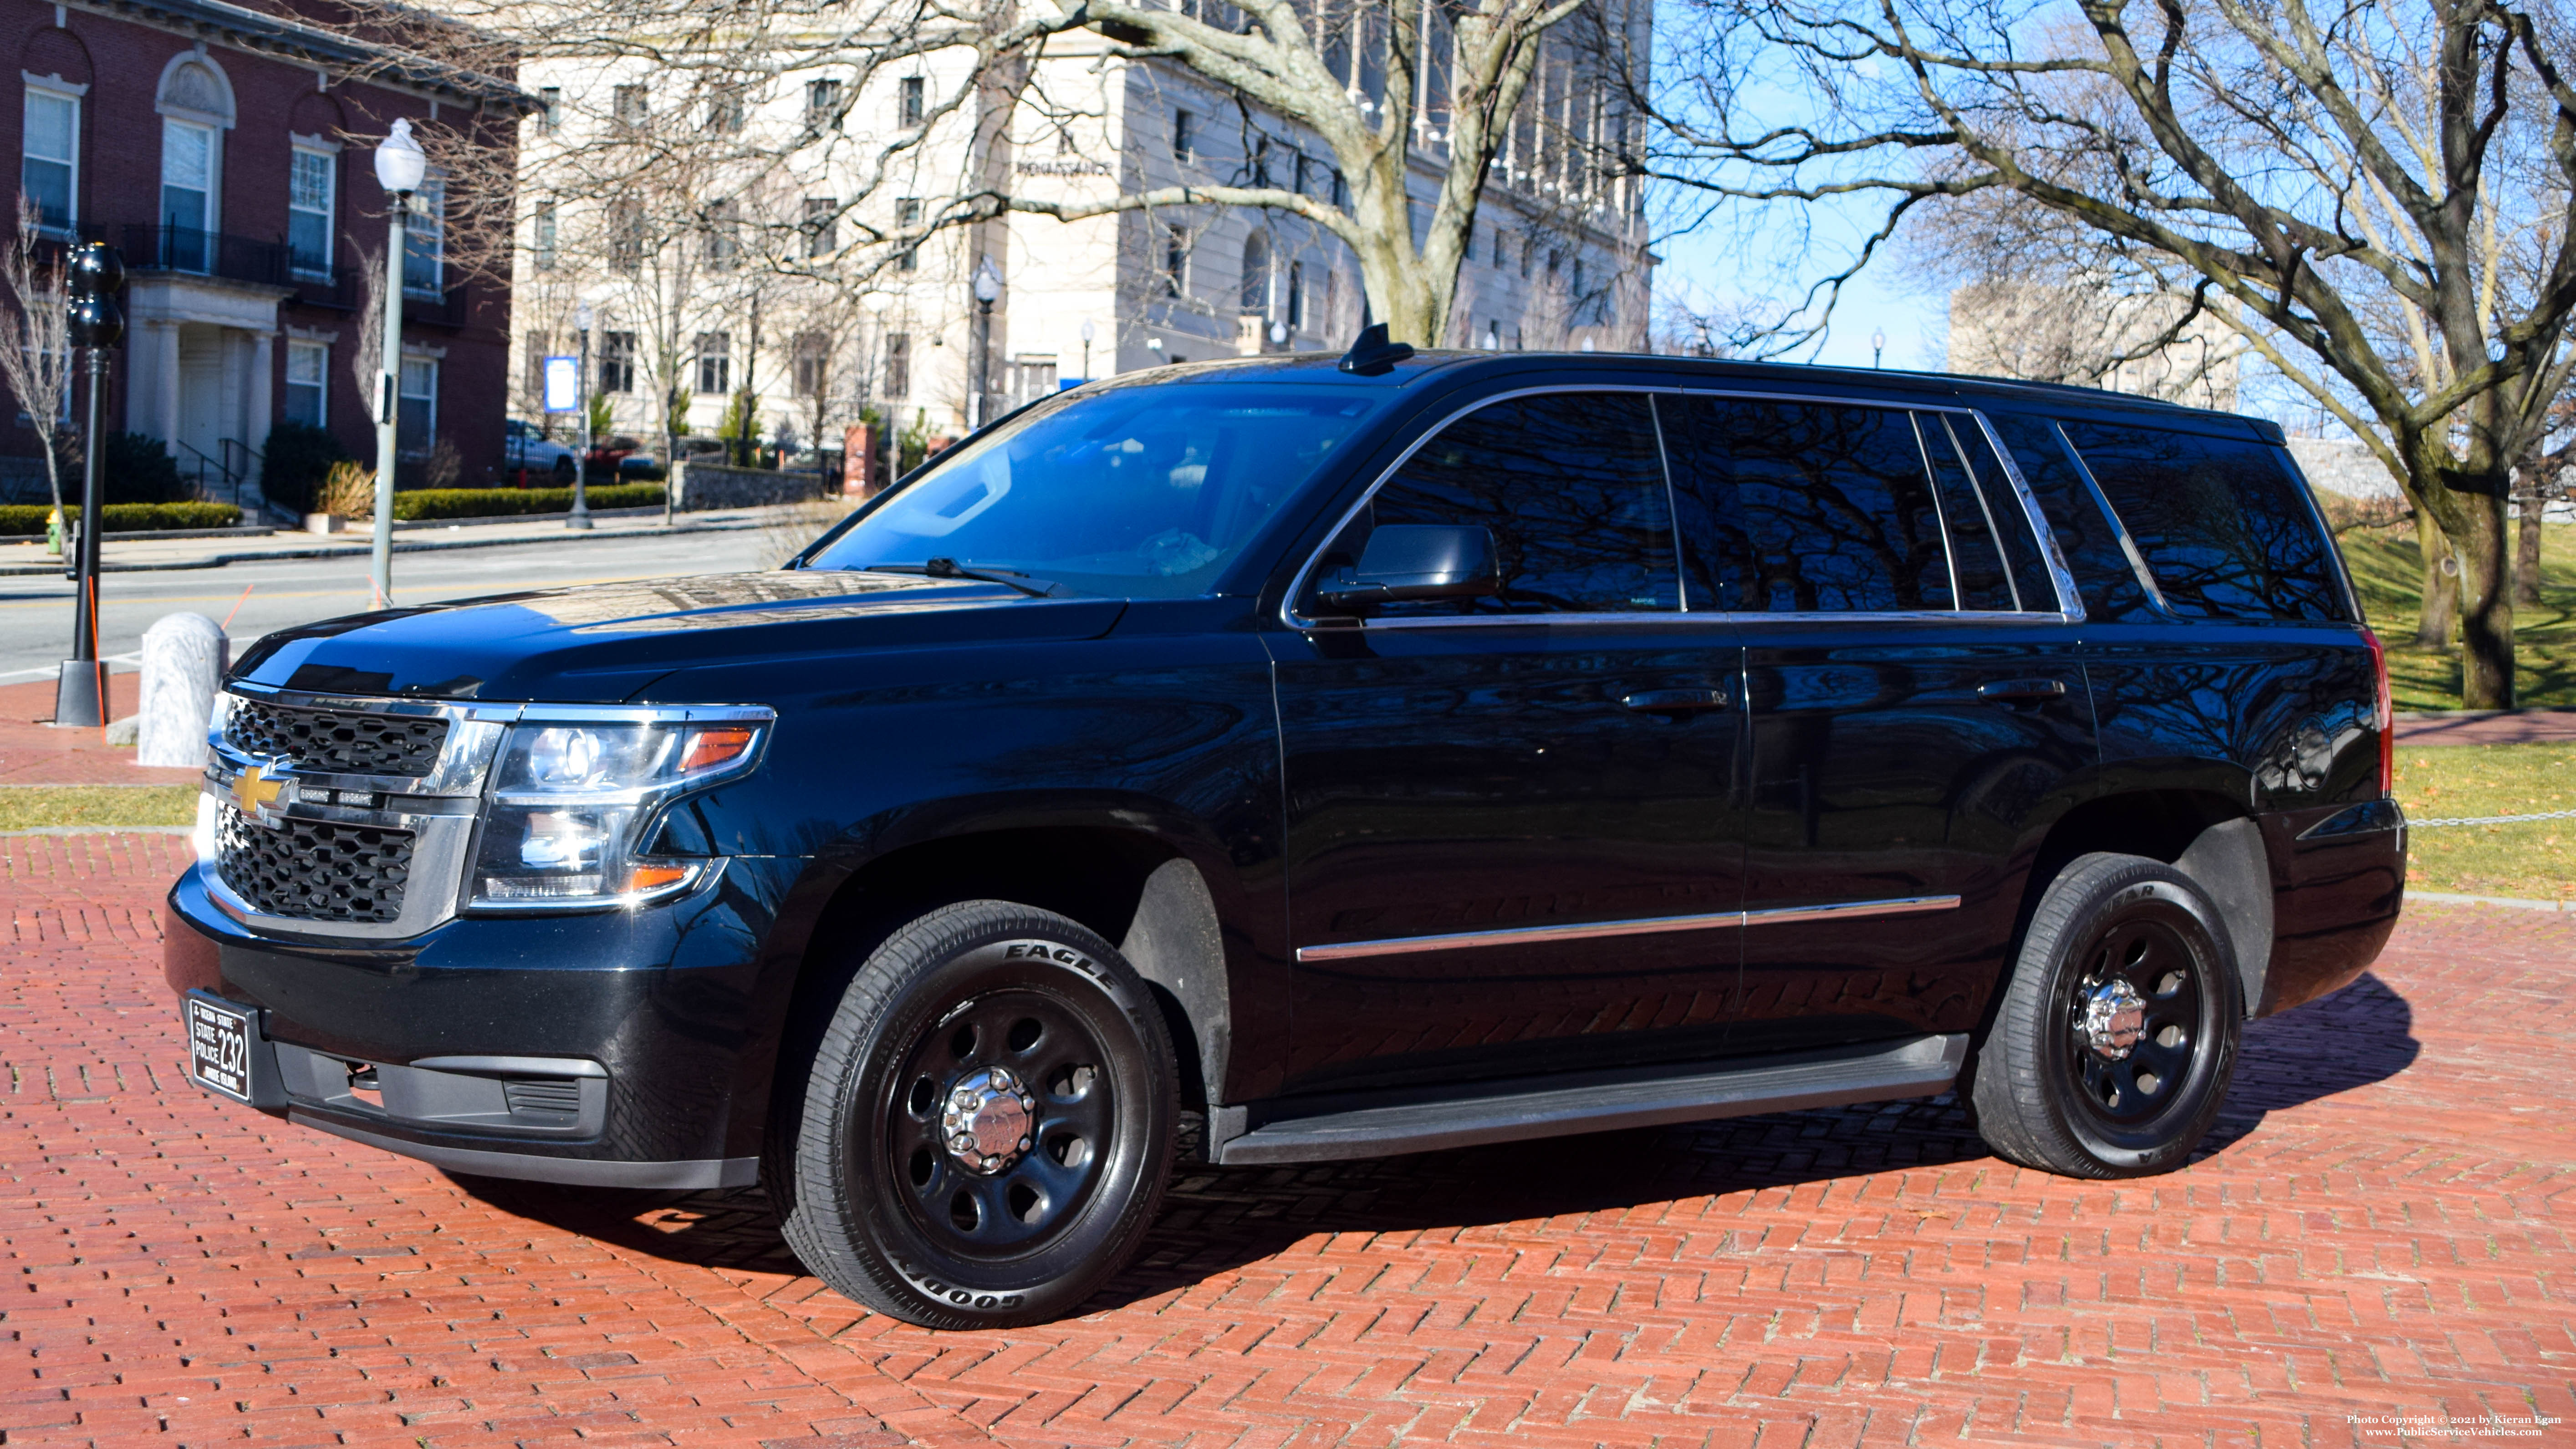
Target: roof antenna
[{"x": 1372, "y": 354}]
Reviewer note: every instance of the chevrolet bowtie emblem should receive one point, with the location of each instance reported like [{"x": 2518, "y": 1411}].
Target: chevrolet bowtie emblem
[{"x": 253, "y": 791}]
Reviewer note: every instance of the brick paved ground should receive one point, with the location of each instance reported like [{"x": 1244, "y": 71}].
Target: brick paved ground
[
  {"x": 36, "y": 753},
  {"x": 2381, "y": 1228}
]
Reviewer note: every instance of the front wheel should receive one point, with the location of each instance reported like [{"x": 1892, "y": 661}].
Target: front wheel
[
  {"x": 2111, "y": 1051},
  {"x": 988, "y": 1125}
]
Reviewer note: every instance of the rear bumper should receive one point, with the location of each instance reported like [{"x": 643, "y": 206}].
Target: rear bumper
[
  {"x": 2337, "y": 894},
  {"x": 597, "y": 1050}
]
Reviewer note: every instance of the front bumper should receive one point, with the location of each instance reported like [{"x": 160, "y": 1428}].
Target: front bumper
[{"x": 604, "y": 1049}]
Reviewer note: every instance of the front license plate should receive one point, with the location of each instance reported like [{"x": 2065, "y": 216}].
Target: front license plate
[{"x": 219, "y": 1048}]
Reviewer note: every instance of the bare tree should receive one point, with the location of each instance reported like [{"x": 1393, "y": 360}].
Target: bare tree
[
  {"x": 38, "y": 361},
  {"x": 2380, "y": 198}
]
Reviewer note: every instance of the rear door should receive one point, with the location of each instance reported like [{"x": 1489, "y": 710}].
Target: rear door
[
  {"x": 1512, "y": 842},
  {"x": 1914, "y": 698}
]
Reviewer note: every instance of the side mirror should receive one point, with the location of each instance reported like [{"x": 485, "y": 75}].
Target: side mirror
[{"x": 1416, "y": 561}]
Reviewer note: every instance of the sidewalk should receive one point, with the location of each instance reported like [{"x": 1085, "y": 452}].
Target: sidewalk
[
  {"x": 27, "y": 557},
  {"x": 39, "y": 754},
  {"x": 2487, "y": 727}
]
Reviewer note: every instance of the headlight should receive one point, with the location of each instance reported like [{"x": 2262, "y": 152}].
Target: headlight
[{"x": 571, "y": 802}]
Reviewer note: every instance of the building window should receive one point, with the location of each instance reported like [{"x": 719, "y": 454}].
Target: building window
[
  {"x": 1185, "y": 138},
  {"x": 617, "y": 362},
  {"x": 1261, "y": 161},
  {"x": 545, "y": 236},
  {"x": 49, "y": 171},
  {"x": 724, "y": 235},
  {"x": 822, "y": 106},
  {"x": 822, "y": 225},
  {"x": 910, "y": 107},
  {"x": 898, "y": 378},
  {"x": 715, "y": 362},
  {"x": 725, "y": 115},
  {"x": 549, "y": 108},
  {"x": 187, "y": 193},
  {"x": 907, "y": 215},
  {"x": 810, "y": 363},
  {"x": 419, "y": 429},
  {"x": 1341, "y": 192},
  {"x": 1176, "y": 258},
  {"x": 425, "y": 240},
  {"x": 1498, "y": 248},
  {"x": 626, "y": 235},
  {"x": 1529, "y": 249},
  {"x": 1254, "y": 283},
  {"x": 310, "y": 187},
  {"x": 1296, "y": 299},
  {"x": 1032, "y": 378},
  {"x": 627, "y": 104},
  {"x": 308, "y": 384}
]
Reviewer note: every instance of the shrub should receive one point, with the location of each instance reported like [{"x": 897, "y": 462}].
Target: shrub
[
  {"x": 140, "y": 470},
  {"x": 20, "y": 520},
  {"x": 348, "y": 490},
  {"x": 432, "y": 503},
  {"x": 296, "y": 461}
]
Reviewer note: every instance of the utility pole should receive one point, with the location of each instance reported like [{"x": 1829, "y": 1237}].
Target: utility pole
[
  {"x": 95, "y": 274},
  {"x": 580, "y": 515}
]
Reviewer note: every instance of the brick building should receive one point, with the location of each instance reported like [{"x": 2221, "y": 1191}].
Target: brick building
[{"x": 227, "y": 153}]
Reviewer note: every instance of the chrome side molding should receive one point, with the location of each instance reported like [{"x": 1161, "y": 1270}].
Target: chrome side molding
[{"x": 1645, "y": 926}]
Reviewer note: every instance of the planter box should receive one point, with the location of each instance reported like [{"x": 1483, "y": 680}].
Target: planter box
[{"x": 325, "y": 523}]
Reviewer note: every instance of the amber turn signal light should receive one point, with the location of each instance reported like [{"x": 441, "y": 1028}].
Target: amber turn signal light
[
  {"x": 708, "y": 748},
  {"x": 651, "y": 877}
]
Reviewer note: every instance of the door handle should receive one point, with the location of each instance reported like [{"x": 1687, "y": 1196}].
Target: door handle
[
  {"x": 1674, "y": 701},
  {"x": 2022, "y": 689}
]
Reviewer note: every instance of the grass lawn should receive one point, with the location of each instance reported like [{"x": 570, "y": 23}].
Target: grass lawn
[
  {"x": 25, "y": 807},
  {"x": 2534, "y": 860},
  {"x": 2389, "y": 570}
]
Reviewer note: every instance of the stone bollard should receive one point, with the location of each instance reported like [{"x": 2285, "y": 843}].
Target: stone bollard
[{"x": 184, "y": 657}]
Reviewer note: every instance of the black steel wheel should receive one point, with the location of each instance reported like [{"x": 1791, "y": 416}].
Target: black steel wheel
[
  {"x": 2113, "y": 1045},
  {"x": 988, "y": 1123}
]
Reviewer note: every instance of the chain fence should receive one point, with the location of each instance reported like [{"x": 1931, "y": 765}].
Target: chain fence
[{"x": 2491, "y": 819}]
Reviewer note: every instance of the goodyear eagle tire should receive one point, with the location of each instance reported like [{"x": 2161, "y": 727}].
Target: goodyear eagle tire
[{"x": 988, "y": 1123}]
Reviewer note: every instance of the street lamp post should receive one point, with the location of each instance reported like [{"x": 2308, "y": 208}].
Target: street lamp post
[
  {"x": 580, "y": 515},
  {"x": 400, "y": 168},
  {"x": 876, "y": 304},
  {"x": 96, "y": 272},
  {"x": 1877, "y": 346},
  {"x": 988, "y": 290},
  {"x": 1087, "y": 334}
]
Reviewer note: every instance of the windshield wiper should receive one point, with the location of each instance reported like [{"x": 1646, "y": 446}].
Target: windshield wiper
[{"x": 949, "y": 568}]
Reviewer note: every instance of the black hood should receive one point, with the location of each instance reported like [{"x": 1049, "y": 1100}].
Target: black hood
[{"x": 601, "y": 643}]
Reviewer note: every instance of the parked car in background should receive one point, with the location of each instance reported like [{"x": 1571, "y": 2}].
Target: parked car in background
[
  {"x": 547, "y": 462},
  {"x": 1427, "y": 752}
]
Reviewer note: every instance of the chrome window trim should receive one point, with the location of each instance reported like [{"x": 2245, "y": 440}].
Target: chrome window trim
[
  {"x": 1644, "y": 926},
  {"x": 1940, "y": 514},
  {"x": 1985, "y": 510},
  {"x": 2070, "y": 603},
  {"x": 2070, "y": 600},
  {"x": 2119, "y": 525}
]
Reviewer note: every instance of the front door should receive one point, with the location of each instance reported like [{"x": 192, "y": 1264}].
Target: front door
[
  {"x": 1511, "y": 834},
  {"x": 1914, "y": 699}
]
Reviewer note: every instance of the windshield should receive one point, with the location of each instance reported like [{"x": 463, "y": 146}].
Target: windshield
[{"x": 1144, "y": 492}]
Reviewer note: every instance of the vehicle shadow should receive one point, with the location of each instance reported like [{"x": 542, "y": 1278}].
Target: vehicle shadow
[{"x": 1219, "y": 1219}]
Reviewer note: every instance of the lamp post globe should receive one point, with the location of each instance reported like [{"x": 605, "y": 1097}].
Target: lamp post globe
[
  {"x": 95, "y": 270},
  {"x": 988, "y": 290},
  {"x": 95, "y": 321},
  {"x": 401, "y": 165}
]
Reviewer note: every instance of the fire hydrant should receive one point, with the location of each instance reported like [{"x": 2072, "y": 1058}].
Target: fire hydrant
[{"x": 54, "y": 533}]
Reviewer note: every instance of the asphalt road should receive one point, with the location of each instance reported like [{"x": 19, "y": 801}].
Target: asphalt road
[{"x": 36, "y": 613}]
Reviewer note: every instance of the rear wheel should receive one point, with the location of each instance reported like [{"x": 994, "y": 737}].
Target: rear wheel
[
  {"x": 2113, "y": 1046},
  {"x": 988, "y": 1124}
]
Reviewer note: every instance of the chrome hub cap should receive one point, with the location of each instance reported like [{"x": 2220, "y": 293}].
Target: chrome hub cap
[
  {"x": 985, "y": 1119},
  {"x": 2115, "y": 1017}
]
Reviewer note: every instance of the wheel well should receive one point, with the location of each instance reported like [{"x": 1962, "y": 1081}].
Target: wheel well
[
  {"x": 1099, "y": 877},
  {"x": 2203, "y": 834}
]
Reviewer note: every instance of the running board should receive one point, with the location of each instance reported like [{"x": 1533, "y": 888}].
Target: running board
[{"x": 1592, "y": 1102}]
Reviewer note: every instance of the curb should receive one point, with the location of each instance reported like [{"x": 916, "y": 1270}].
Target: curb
[
  {"x": 2512, "y": 903},
  {"x": 100, "y": 830},
  {"x": 364, "y": 550},
  {"x": 2429, "y": 715}
]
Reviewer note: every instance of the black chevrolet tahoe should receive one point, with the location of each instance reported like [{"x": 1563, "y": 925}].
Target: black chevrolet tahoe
[{"x": 1349, "y": 759}]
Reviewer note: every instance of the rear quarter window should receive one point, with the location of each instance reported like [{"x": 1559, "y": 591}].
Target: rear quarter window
[{"x": 2221, "y": 524}]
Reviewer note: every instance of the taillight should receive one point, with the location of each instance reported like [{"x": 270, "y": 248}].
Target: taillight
[{"x": 2384, "y": 713}]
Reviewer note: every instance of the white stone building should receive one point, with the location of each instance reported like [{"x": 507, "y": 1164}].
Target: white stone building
[{"x": 1558, "y": 259}]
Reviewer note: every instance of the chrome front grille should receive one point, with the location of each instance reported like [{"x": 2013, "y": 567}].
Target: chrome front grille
[
  {"x": 314, "y": 870},
  {"x": 336, "y": 741}
]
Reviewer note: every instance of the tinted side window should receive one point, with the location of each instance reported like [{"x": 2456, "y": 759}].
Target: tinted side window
[
  {"x": 2103, "y": 578},
  {"x": 1804, "y": 507},
  {"x": 2219, "y": 522},
  {"x": 1976, "y": 560},
  {"x": 1573, "y": 489}
]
